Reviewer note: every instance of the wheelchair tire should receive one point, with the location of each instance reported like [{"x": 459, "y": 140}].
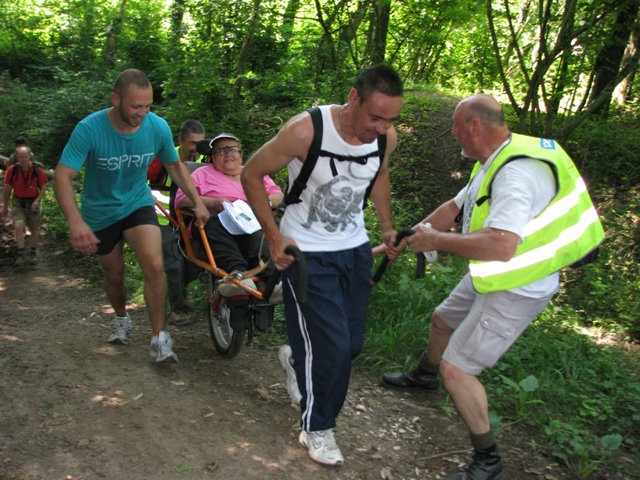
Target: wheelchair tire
[{"x": 228, "y": 342}]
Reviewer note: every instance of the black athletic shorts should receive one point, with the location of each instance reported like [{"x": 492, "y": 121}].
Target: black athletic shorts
[{"x": 109, "y": 237}]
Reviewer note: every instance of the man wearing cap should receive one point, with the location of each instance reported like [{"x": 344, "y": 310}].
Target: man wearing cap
[{"x": 218, "y": 183}]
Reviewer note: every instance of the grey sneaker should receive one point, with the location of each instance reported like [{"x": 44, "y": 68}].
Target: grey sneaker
[
  {"x": 120, "y": 333},
  {"x": 322, "y": 447},
  {"x": 284, "y": 355},
  {"x": 160, "y": 348},
  {"x": 228, "y": 289}
]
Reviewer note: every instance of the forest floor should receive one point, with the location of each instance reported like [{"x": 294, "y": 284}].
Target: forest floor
[{"x": 72, "y": 406}]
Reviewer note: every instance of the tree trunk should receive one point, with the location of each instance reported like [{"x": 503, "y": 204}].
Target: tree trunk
[
  {"x": 378, "y": 28},
  {"x": 112, "y": 36},
  {"x": 609, "y": 59},
  {"x": 286, "y": 29},
  {"x": 623, "y": 89},
  {"x": 176, "y": 15},
  {"x": 246, "y": 44}
]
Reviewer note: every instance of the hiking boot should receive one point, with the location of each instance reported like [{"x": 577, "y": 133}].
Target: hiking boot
[
  {"x": 189, "y": 303},
  {"x": 284, "y": 355},
  {"x": 160, "y": 348},
  {"x": 276, "y": 297},
  {"x": 120, "y": 333},
  {"x": 33, "y": 258},
  {"x": 416, "y": 378},
  {"x": 228, "y": 289},
  {"x": 20, "y": 260},
  {"x": 322, "y": 447},
  {"x": 486, "y": 465},
  {"x": 179, "y": 318}
]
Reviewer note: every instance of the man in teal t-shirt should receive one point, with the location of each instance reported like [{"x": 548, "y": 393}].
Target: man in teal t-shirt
[{"x": 115, "y": 147}]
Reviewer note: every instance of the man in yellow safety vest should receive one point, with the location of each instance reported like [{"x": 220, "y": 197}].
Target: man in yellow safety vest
[{"x": 525, "y": 215}]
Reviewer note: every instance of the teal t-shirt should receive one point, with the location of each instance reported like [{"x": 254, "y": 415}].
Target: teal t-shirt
[{"x": 115, "y": 178}]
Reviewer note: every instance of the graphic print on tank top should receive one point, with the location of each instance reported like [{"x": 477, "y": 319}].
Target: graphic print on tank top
[{"x": 336, "y": 204}]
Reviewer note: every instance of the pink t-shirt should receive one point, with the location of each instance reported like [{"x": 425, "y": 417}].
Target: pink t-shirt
[{"x": 215, "y": 184}]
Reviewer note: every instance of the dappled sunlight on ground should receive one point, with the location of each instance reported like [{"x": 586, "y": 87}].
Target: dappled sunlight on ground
[
  {"x": 10, "y": 338},
  {"x": 108, "y": 351},
  {"x": 601, "y": 337}
]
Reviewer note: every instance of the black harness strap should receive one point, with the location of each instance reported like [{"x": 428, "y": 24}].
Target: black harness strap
[{"x": 300, "y": 183}]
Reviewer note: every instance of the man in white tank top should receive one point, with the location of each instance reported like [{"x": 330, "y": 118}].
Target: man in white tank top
[{"x": 327, "y": 331}]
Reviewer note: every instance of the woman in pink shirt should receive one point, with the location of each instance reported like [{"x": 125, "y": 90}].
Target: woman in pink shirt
[{"x": 217, "y": 183}]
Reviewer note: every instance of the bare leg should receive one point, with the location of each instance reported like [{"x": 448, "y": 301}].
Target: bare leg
[
  {"x": 18, "y": 226},
  {"x": 469, "y": 397},
  {"x": 439, "y": 336},
  {"x": 146, "y": 242},
  {"x": 33, "y": 238},
  {"x": 114, "y": 286}
]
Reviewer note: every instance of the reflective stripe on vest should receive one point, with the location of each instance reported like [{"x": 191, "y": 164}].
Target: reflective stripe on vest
[{"x": 564, "y": 232}]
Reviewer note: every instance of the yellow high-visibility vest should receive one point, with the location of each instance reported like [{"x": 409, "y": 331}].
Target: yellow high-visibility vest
[
  {"x": 163, "y": 194},
  {"x": 563, "y": 233}
]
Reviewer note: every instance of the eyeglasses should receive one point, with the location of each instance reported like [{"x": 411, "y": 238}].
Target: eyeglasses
[{"x": 225, "y": 150}]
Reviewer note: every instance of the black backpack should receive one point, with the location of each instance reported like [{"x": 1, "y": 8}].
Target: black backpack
[
  {"x": 34, "y": 172},
  {"x": 293, "y": 193}
]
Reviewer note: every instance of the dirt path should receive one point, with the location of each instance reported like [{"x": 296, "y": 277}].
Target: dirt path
[{"x": 74, "y": 407}]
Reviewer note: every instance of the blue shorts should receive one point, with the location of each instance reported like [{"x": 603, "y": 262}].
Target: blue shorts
[{"x": 112, "y": 235}]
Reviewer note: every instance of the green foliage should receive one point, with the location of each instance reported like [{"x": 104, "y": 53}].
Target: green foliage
[
  {"x": 53, "y": 221},
  {"x": 606, "y": 150},
  {"x": 400, "y": 310},
  {"x": 47, "y": 115},
  {"x": 607, "y": 290}
]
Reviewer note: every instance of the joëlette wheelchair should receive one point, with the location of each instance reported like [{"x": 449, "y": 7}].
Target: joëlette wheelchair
[{"x": 229, "y": 318}]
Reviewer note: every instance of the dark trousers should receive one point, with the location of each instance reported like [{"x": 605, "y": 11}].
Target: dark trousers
[
  {"x": 236, "y": 252},
  {"x": 174, "y": 267},
  {"x": 327, "y": 331}
]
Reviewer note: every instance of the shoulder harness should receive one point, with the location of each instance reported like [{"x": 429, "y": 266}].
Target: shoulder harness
[{"x": 300, "y": 183}]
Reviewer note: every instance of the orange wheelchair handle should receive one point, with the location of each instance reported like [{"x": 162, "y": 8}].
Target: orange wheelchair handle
[
  {"x": 407, "y": 232},
  {"x": 301, "y": 286}
]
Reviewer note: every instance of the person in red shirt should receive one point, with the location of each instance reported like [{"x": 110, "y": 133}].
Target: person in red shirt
[{"x": 27, "y": 181}]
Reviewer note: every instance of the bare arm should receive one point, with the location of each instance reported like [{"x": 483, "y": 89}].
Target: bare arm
[
  {"x": 36, "y": 203},
  {"x": 443, "y": 218},
  {"x": 212, "y": 204},
  {"x": 180, "y": 175},
  {"x": 82, "y": 237},
  {"x": 7, "y": 198},
  {"x": 381, "y": 196},
  {"x": 292, "y": 141},
  {"x": 486, "y": 244}
]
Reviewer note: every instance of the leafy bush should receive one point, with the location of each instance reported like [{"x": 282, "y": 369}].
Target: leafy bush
[
  {"x": 606, "y": 150},
  {"x": 607, "y": 291}
]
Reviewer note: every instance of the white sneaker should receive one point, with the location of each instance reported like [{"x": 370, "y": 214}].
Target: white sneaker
[
  {"x": 120, "y": 333},
  {"x": 284, "y": 355},
  {"x": 276, "y": 297},
  {"x": 322, "y": 447},
  {"x": 228, "y": 289},
  {"x": 160, "y": 348}
]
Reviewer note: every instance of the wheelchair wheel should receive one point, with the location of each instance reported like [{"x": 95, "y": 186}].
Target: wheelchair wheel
[{"x": 228, "y": 341}]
